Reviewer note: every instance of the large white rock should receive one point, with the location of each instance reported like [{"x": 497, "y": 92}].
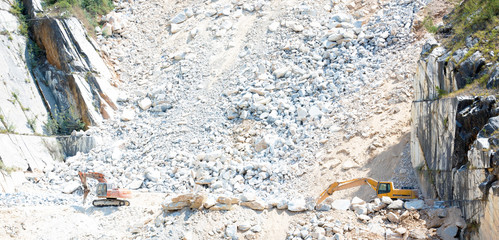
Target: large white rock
[
  {"x": 342, "y": 17},
  {"x": 145, "y": 103},
  {"x": 152, "y": 174},
  {"x": 315, "y": 112},
  {"x": 335, "y": 37},
  {"x": 70, "y": 187},
  {"x": 448, "y": 233},
  {"x": 415, "y": 204},
  {"x": 357, "y": 201},
  {"x": 341, "y": 204},
  {"x": 173, "y": 206},
  {"x": 397, "y": 204},
  {"x": 297, "y": 27},
  {"x": 302, "y": 113},
  {"x": 393, "y": 217},
  {"x": 338, "y": 236},
  {"x": 386, "y": 200},
  {"x": 179, "y": 18},
  {"x": 297, "y": 205},
  {"x": 273, "y": 26},
  {"x": 248, "y": 196},
  {"x": 360, "y": 209},
  {"x": 231, "y": 231},
  {"x": 267, "y": 141},
  {"x": 175, "y": 28},
  {"x": 189, "y": 12},
  {"x": 376, "y": 228},
  {"x": 255, "y": 205},
  {"x": 323, "y": 207},
  {"x": 210, "y": 202},
  {"x": 128, "y": 114},
  {"x": 179, "y": 55},
  {"x": 107, "y": 29},
  {"x": 401, "y": 230},
  {"x": 243, "y": 227},
  {"x": 194, "y": 32},
  {"x": 363, "y": 218},
  {"x": 135, "y": 184},
  {"x": 418, "y": 233},
  {"x": 117, "y": 153},
  {"x": 282, "y": 204},
  {"x": 280, "y": 72},
  {"x": 256, "y": 228}
]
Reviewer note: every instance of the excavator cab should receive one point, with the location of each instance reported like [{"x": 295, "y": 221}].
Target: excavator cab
[
  {"x": 384, "y": 188},
  {"x": 102, "y": 189}
]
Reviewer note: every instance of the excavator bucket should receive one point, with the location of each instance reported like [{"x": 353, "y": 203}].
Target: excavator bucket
[
  {"x": 326, "y": 193},
  {"x": 85, "y": 187},
  {"x": 85, "y": 193}
]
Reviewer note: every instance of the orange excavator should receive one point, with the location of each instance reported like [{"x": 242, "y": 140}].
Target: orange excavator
[
  {"x": 109, "y": 195},
  {"x": 381, "y": 188}
]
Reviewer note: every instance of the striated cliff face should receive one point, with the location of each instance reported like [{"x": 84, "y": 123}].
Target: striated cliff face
[
  {"x": 21, "y": 106},
  {"x": 68, "y": 78},
  {"x": 22, "y": 110},
  {"x": 454, "y": 140},
  {"x": 74, "y": 77}
]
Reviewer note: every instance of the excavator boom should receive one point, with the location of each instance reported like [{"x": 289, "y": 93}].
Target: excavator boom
[
  {"x": 83, "y": 177},
  {"x": 336, "y": 186}
]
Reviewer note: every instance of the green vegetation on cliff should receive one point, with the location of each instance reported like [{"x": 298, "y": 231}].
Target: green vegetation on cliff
[
  {"x": 17, "y": 10},
  {"x": 92, "y": 7},
  {"x": 88, "y": 11},
  {"x": 472, "y": 29},
  {"x": 477, "y": 20},
  {"x": 63, "y": 123}
]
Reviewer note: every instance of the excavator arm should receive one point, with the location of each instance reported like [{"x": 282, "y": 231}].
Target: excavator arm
[
  {"x": 83, "y": 177},
  {"x": 336, "y": 186}
]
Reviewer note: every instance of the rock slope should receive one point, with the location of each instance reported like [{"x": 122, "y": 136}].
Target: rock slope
[{"x": 266, "y": 101}]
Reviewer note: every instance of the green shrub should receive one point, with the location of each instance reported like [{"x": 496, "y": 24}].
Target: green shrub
[
  {"x": 64, "y": 123},
  {"x": 428, "y": 25},
  {"x": 5, "y": 168},
  {"x": 87, "y": 11},
  {"x": 8, "y": 126},
  {"x": 17, "y": 10},
  {"x": 32, "y": 124},
  {"x": 477, "y": 18},
  {"x": 34, "y": 54},
  {"x": 63, "y": 5},
  {"x": 97, "y": 7},
  {"x": 441, "y": 92}
]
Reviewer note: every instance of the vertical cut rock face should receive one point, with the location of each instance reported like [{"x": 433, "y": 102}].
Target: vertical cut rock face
[
  {"x": 455, "y": 140},
  {"x": 74, "y": 78},
  {"x": 75, "y": 74}
]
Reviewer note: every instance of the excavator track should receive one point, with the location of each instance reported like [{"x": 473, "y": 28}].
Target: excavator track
[{"x": 110, "y": 202}]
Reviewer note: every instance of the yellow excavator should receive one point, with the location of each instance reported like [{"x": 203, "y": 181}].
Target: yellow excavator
[{"x": 381, "y": 188}]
